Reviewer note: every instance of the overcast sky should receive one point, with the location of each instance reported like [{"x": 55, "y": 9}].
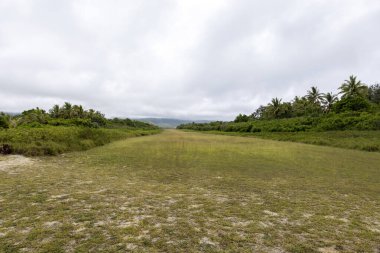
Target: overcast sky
[{"x": 187, "y": 59}]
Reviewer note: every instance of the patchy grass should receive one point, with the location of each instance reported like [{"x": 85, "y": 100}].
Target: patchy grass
[
  {"x": 360, "y": 140},
  {"x": 185, "y": 191}
]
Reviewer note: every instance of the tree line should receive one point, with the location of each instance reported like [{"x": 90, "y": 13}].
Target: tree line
[
  {"x": 355, "y": 107},
  {"x": 353, "y": 96},
  {"x": 66, "y": 115}
]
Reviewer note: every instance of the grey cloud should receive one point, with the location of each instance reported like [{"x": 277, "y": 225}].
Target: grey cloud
[{"x": 189, "y": 59}]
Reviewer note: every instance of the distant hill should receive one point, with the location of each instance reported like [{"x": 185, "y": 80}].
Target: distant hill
[
  {"x": 169, "y": 123},
  {"x": 12, "y": 113}
]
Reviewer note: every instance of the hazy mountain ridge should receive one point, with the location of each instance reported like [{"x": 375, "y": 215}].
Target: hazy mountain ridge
[{"x": 169, "y": 122}]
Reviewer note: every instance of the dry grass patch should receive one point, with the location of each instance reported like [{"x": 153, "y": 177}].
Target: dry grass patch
[{"x": 191, "y": 192}]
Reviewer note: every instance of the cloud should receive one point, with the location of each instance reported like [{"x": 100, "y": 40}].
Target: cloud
[{"x": 187, "y": 59}]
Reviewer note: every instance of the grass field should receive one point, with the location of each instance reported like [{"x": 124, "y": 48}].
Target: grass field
[
  {"x": 191, "y": 192},
  {"x": 360, "y": 140}
]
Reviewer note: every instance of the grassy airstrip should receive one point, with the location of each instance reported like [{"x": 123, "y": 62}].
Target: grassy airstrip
[{"x": 185, "y": 191}]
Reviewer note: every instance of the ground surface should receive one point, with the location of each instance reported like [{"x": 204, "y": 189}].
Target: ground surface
[
  {"x": 360, "y": 140},
  {"x": 189, "y": 192}
]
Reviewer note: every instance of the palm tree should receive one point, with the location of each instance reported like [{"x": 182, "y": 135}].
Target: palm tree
[
  {"x": 314, "y": 96},
  {"x": 328, "y": 100},
  {"x": 67, "y": 110},
  {"x": 55, "y": 111},
  {"x": 276, "y": 106},
  {"x": 77, "y": 111},
  {"x": 351, "y": 88}
]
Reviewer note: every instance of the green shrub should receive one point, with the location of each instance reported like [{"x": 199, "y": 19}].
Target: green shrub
[
  {"x": 328, "y": 122},
  {"x": 355, "y": 103},
  {"x": 4, "y": 120},
  {"x": 52, "y": 140}
]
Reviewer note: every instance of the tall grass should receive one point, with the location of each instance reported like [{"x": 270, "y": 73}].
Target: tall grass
[{"x": 49, "y": 140}]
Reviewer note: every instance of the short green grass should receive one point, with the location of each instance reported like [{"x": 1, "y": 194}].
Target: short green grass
[
  {"x": 361, "y": 140},
  {"x": 191, "y": 192}
]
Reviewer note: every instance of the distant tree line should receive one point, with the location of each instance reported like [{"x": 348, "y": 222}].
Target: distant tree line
[
  {"x": 66, "y": 115},
  {"x": 356, "y": 106},
  {"x": 354, "y": 96}
]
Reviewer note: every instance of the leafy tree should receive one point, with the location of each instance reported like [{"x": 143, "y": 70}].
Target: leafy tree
[
  {"x": 242, "y": 118},
  {"x": 259, "y": 113},
  {"x": 276, "y": 110},
  {"x": 302, "y": 106},
  {"x": 4, "y": 120},
  {"x": 374, "y": 93},
  {"x": 352, "y": 88},
  {"x": 34, "y": 116},
  {"x": 352, "y": 103}
]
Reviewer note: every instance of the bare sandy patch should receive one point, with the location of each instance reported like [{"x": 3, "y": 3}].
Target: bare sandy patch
[
  {"x": 171, "y": 219},
  {"x": 126, "y": 224},
  {"x": 266, "y": 224},
  {"x": 207, "y": 241},
  {"x": 13, "y": 163},
  {"x": 270, "y": 213},
  {"x": 328, "y": 250},
  {"x": 52, "y": 224},
  {"x": 307, "y": 215},
  {"x": 373, "y": 225},
  {"x": 58, "y": 197},
  {"x": 194, "y": 206},
  {"x": 221, "y": 199},
  {"x": 131, "y": 246}
]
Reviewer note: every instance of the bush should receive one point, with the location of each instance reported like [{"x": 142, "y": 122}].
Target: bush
[
  {"x": 49, "y": 140},
  {"x": 356, "y": 103},
  {"x": 4, "y": 120}
]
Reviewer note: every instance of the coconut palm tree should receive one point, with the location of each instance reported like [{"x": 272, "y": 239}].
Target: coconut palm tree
[
  {"x": 276, "y": 106},
  {"x": 328, "y": 100},
  {"x": 67, "y": 110},
  {"x": 314, "y": 96},
  {"x": 55, "y": 111},
  {"x": 77, "y": 111},
  {"x": 352, "y": 88}
]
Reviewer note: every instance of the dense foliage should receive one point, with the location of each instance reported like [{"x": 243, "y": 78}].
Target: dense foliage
[
  {"x": 65, "y": 128},
  {"x": 67, "y": 115},
  {"x": 118, "y": 123},
  {"x": 4, "y": 120},
  {"x": 332, "y": 121},
  {"x": 52, "y": 140},
  {"x": 357, "y": 108}
]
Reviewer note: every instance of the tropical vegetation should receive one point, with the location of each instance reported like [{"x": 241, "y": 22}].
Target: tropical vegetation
[
  {"x": 356, "y": 107},
  {"x": 64, "y": 128}
]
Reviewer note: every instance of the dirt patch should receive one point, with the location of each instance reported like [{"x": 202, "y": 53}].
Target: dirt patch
[
  {"x": 207, "y": 241},
  {"x": 270, "y": 213},
  {"x": 52, "y": 224},
  {"x": 13, "y": 163},
  {"x": 328, "y": 250}
]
